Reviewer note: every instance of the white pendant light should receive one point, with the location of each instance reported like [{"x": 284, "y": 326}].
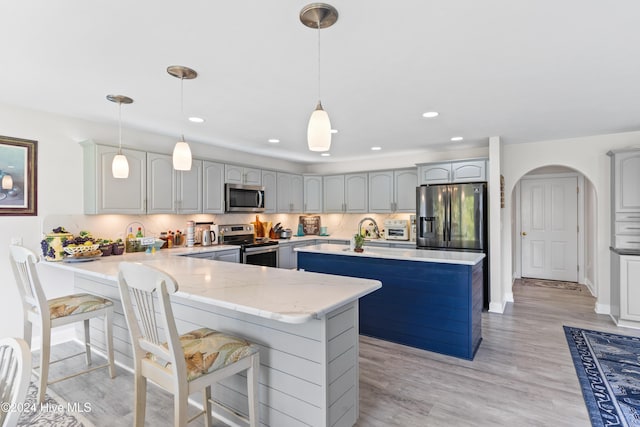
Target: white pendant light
[
  {"x": 120, "y": 165},
  {"x": 319, "y": 15},
  {"x": 181, "y": 151},
  {"x": 319, "y": 130},
  {"x": 182, "y": 156}
]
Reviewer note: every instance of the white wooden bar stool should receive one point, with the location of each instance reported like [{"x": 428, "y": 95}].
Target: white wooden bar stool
[
  {"x": 180, "y": 364},
  {"x": 15, "y": 371},
  {"x": 56, "y": 312}
]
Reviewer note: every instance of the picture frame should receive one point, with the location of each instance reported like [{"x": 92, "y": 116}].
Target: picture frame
[{"x": 18, "y": 176}]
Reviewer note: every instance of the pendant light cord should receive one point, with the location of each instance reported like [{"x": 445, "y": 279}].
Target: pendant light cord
[
  {"x": 119, "y": 127},
  {"x": 318, "y": 60}
]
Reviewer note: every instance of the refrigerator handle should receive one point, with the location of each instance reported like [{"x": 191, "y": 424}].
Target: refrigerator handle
[
  {"x": 449, "y": 193},
  {"x": 447, "y": 215}
]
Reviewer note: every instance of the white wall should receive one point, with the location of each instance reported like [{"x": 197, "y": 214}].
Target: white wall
[
  {"x": 588, "y": 156},
  {"x": 60, "y": 184}
]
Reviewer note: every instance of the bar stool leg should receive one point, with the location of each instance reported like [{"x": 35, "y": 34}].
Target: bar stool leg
[
  {"x": 252, "y": 390},
  {"x": 108, "y": 331},
  {"x": 45, "y": 355},
  {"x": 87, "y": 341},
  {"x": 206, "y": 404}
]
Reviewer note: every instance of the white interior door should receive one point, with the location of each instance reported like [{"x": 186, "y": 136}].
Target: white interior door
[{"x": 549, "y": 218}]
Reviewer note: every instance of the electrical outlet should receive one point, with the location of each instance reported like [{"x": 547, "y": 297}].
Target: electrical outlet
[{"x": 16, "y": 241}]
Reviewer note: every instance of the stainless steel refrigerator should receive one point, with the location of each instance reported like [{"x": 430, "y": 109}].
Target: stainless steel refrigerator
[{"x": 454, "y": 217}]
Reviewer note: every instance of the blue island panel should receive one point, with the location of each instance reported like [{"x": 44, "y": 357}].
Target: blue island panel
[{"x": 433, "y": 306}]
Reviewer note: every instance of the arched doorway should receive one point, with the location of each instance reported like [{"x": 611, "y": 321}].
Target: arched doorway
[{"x": 560, "y": 203}]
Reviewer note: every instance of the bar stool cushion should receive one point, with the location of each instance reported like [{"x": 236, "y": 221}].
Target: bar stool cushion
[
  {"x": 206, "y": 350},
  {"x": 76, "y": 304}
]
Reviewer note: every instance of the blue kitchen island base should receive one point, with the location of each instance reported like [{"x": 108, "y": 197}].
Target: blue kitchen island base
[{"x": 429, "y": 305}]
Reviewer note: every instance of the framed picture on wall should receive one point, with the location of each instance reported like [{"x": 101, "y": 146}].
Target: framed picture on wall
[{"x": 18, "y": 176}]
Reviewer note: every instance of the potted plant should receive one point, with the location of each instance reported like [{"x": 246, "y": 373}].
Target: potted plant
[{"x": 359, "y": 241}]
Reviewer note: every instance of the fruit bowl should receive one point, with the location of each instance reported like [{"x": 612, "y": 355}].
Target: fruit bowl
[{"x": 72, "y": 250}]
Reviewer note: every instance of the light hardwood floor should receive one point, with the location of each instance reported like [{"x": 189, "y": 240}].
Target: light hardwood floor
[{"x": 522, "y": 374}]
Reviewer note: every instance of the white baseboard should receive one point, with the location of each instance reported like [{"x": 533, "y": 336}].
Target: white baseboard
[
  {"x": 497, "y": 307},
  {"x": 590, "y": 286},
  {"x": 508, "y": 297},
  {"x": 603, "y": 308}
]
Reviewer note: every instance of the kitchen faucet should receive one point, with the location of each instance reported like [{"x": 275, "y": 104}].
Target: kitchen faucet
[{"x": 376, "y": 230}]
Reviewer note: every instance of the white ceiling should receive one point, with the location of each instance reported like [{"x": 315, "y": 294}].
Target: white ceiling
[{"x": 525, "y": 70}]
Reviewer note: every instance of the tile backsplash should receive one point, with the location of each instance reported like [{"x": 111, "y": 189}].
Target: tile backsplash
[{"x": 117, "y": 226}]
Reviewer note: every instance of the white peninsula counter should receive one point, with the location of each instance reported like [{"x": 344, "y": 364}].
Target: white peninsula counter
[{"x": 306, "y": 325}]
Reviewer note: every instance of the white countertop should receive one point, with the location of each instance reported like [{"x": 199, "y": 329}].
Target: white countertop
[
  {"x": 285, "y": 295},
  {"x": 346, "y": 237},
  {"x": 424, "y": 255}
]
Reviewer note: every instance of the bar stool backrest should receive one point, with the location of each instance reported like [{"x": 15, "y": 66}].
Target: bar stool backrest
[
  {"x": 145, "y": 294},
  {"x": 15, "y": 371}
]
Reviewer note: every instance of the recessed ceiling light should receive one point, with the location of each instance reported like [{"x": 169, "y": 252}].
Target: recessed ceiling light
[
  {"x": 334, "y": 130},
  {"x": 430, "y": 114},
  {"x": 274, "y": 140},
  {"x": 196, "y": 119},
  {"x": 376, "y": 148},
  {"x": 457, "y": 138},
  {"x": 325, "y": 154}
]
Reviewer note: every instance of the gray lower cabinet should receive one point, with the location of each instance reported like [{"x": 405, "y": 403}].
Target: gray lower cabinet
[
  {"x": 287, "y": 256},
  {"x": 228, "y": 255},
  {"x": 625, "y": 289}
]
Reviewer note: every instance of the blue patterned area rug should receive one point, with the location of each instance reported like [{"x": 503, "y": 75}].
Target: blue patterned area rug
[{"x": 608, "y": 367}]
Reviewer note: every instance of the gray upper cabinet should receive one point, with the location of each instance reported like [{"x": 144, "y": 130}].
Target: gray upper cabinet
[
  {"x": 381, "y": 192},
  {"x": 346, "y": 193},
  {"x": 242, "y": 175},
  {"x": 289, "y": 192},
  {"x": 104, "y": 194},
  {"x": 171, "y": 191},
  {"x": 627, "y": 181},
  {"x": 625, "y": 203},
  {"x": 437, "y": 173},
  {"x": 474, "y": 170},
  {"x": 333, "y": 193},
  {"x": 212, "y": 187},
  {"x": 405, "y": 182},
  {"x": 469, "y": 171},
  {"x": 355, "y": 193},
  {"x": 312, "y": 194},
  {"x": 189, "y": 196},
  {"x": 161, "y": 184},
  {"x": 393, "y": 191},
  {"x": 270, "y": 184}
]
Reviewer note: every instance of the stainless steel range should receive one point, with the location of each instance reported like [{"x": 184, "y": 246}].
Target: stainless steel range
[{"x": 256, "y": 251}]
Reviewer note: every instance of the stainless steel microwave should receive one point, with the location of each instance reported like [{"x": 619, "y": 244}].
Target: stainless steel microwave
[{"x": 244, "y": 198}]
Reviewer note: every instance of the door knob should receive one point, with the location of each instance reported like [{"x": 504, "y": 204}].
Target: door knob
[{"x": 524, "y": 233}]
